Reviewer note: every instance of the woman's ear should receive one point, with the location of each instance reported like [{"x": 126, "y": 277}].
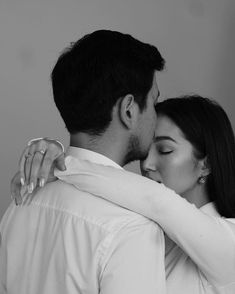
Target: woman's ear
[
  {"x": 128, "y": 111},
  {"x": 204, "y": 167}
]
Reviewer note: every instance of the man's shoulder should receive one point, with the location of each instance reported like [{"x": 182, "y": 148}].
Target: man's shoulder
[{"x": 70, "y": 200}]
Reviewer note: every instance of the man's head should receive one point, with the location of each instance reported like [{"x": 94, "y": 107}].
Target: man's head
[{"x": 96, "y": 73}]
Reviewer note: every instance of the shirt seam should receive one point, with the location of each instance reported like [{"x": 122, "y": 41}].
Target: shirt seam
[
  {"x": 116, "y": 228},
  {"x": 80, "y": 216}
]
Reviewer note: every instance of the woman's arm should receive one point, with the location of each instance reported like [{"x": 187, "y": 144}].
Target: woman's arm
[{"x": 209, "y": 240}]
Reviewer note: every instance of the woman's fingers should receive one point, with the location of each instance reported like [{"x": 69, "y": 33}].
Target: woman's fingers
[
  {"x": 16, "y": 189},
  {"x": 36, "y": 166},
  {"x": 38, "y": 161},
  {"x": 28, "y": 163},
  {"x": 34, "y": 163},
  {"x": 60, "y": 162},
  {"x": 47, "y": 154},
  {"x": 22, "y": 161},
  {"x": 48, "y": 164}
]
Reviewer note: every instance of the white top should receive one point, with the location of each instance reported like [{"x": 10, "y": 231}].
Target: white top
[
  {"x": 200, "y": 244},
  {"x": 68, "y": 241}
]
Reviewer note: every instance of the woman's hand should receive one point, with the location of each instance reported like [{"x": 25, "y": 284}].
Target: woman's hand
[{"x": 36, "y": 166}]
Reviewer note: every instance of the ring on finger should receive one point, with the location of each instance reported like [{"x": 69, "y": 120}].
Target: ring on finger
[
  {"x": 28, "y": 155},
  {"x": 41, "y": 151}
]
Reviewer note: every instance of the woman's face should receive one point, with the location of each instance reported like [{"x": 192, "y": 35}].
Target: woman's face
[{"x": 171, "y": 159}]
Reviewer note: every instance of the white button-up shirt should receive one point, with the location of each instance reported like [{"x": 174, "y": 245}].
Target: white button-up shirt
[
  {"x": 69, "y": 241},
  {"x": 200, "y": 244}
]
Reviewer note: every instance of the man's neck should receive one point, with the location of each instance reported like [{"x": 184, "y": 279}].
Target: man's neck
[{"x": 105, "y": 145}]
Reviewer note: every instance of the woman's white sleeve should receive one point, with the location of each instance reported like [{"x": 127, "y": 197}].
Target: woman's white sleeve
[{"x": 208, "y": 240}]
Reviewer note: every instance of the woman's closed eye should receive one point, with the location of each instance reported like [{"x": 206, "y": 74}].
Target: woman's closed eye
[{"x": 164, "y": 150}]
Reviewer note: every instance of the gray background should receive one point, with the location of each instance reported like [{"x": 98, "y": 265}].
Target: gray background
[{"x": 195, "y": 37}]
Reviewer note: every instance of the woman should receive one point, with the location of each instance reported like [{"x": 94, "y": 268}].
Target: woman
[{"x": 193, "y": 154}]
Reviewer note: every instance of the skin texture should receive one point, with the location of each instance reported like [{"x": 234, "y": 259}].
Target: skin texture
[{"x": 171, "y": 161}]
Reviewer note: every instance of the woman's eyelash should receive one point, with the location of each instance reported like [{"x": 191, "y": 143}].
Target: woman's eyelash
[{"x": 165, "y": 152}]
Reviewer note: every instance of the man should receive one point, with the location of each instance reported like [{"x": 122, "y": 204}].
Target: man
[{"x": 66, "y": 240}]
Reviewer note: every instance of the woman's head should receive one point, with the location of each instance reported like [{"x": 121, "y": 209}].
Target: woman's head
[{"x": 194, "y": 150}]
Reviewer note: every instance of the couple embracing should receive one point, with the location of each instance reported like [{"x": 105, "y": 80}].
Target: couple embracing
[{"x": 89, "y": 226}]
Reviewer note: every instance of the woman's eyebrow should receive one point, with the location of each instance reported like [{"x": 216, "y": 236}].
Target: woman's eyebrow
[{"x": 161, "y": 138}]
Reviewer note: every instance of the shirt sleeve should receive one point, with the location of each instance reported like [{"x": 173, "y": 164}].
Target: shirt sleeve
[
  {"x": 208, "y": 240},
  {"x": 3, "y": 250},
  {"x": 135, "y": 262}
]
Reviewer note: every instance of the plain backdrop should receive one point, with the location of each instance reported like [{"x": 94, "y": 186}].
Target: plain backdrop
[{"x": 196, "y": 37}]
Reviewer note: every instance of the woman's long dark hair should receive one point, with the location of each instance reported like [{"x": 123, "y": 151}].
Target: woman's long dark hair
[{"x": 206, "y": 126}]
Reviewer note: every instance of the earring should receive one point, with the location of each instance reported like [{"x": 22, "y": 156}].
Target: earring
[{"x": 202, "y": 180}]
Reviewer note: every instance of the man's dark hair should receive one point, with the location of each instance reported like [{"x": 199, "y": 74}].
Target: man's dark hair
[
  {"x": 206, "y": 126},
  {"x": 95, "y": 72}
]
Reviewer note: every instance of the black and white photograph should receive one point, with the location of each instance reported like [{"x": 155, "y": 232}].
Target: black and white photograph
[{"x": 117, "y": 147}]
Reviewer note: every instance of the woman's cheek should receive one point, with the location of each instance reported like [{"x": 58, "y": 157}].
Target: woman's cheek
[{"x": 170, "y": 173}]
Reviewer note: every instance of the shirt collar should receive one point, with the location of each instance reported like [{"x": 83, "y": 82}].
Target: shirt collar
[
  {"x": 92, "y": 156},
  {"x": 210, "y": 209}
]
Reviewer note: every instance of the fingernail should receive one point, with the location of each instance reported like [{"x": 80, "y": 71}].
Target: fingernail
[
  {"x": 30, "y": 188},
  {"x": 18, "y": 200},
  {"x": 16, "y": 203},
  {"x": 42, "y": 183},
  {"x": 22, "y": 181}
]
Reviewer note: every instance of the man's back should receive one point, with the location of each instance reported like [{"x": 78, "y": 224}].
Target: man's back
[{"x": 69, "y": 241}]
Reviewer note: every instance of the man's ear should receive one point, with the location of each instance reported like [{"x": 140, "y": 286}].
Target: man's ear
[{"x": 128, "y": 111}]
